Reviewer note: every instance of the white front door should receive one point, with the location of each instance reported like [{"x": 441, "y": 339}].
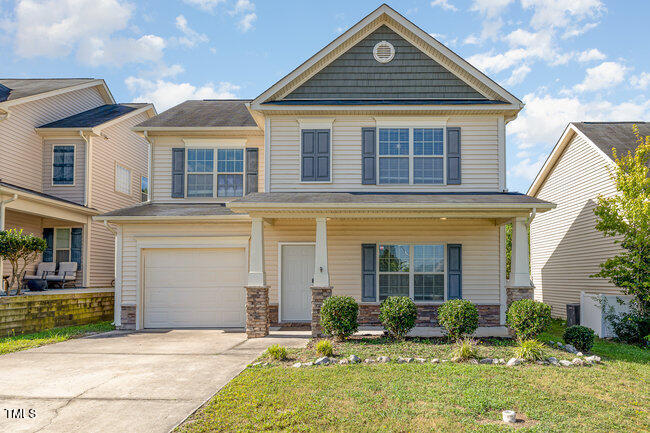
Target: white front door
[{"x": 297, "y": 275}]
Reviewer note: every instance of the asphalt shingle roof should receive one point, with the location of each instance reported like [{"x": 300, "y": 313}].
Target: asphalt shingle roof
[
  {"x": 16, "y": 88},
  {"x": 205, "y": 113},
  {"x": 608, "y": 135},
  {"x": 94, "y": 116},
  {"x": 171, "y": 209}
]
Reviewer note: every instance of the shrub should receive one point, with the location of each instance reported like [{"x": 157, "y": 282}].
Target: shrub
[
  {"x": 398, "y": 314},
  {"x": 631, "y": 327},
  {"x": 325, "y": 348},
  {"x": 338, "y": 316},
  {"x": 530, "y": 350},
  {"x": 465, "y": 349},
  {"x": 459, "y": 317},
  {"x": 528, "y": 318},
  {"x": 580, "y": 337},
  {"x": 277, "y": 352}
]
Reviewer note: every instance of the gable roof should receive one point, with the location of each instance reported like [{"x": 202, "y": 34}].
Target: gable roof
[
  {"x": 386, "y": 16},
  {"x": 13, "y": 90},
  {"x": 207, "y": 113},
  {"x": 603, "y": 136},
  {"x": 94, "y": 117}
]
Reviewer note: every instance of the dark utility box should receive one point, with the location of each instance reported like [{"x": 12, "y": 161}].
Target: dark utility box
[{"x": 572, "y": 314}]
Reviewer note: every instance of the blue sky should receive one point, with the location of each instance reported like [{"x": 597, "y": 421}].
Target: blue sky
[{"x": 568, "y": 60}]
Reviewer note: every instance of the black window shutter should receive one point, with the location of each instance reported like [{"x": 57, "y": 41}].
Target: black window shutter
[
  {"x": 453, "y": 156},
  {"x": 76, "y": 241},
  {"x": 368, "y": 151},
  {"x": 48, "y": 235},
  {"x": 315, "y": 155},
  {"x": 368, "y": 272},
  {"x": 252, "y": 164},
  {"x": 454, "y": 271},
  {"x": 178, "y": 172}
]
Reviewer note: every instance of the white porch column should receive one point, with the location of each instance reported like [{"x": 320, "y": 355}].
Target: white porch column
[
  {"x": 519, "y": 267},
  {"x": 256, "y": 274},
  {"x": 3, "y": 205},
  {"x": 321, "y": 271}
]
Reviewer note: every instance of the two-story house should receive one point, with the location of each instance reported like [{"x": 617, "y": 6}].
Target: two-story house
[
  {"x": 67, "y": 153},
  {"x": 374, "y": 169}
]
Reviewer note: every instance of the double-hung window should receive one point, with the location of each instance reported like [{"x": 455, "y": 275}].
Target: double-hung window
[
  {"x": 428, "y": 160},
  {"x": 411, "y": 156},
  {"x": 394, "y": 155},
  {"x": 62, "y": 245},
  {"x": 62, "y": 165},
  {"x": 230, "y": 172},
  {"x": 416, "y": 271},
  {"x": 122, "y": 179},
  {"x": 200, "y": 168}
]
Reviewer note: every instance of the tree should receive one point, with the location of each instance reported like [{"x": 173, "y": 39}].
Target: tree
[
  {"x": 20, "y": 250},
  {"x": 626, "y": 218}
]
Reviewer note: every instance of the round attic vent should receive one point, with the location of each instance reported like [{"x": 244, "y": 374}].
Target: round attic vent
[{"x": 383, "y": 52}]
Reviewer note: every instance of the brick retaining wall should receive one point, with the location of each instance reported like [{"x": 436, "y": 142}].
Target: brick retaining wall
[{"x": 32, "y": 313}]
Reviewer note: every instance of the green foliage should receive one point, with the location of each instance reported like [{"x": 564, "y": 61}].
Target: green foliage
[
  {"x": 398, "y": 314},
  {"x": 20, "y": 250},
  {"x": 508, "y": 249},
  {"x": 325, "y": 348},
  {"x": 339, "y": 316},
  {"x": 528, "y": 318},
  {"x": 465, "y": 349},
  {"x": 277, "y": 352},
  {"x": 530, "y": 350},
  {"x": 580, "y": 337},
  {"x": 630, "y": 327},
  {"x": 459, "y": 317},
  {"x": 626, "y": 217}
]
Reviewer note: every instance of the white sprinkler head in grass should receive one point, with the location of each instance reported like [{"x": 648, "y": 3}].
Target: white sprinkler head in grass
[{"x": 509, "y": 416}]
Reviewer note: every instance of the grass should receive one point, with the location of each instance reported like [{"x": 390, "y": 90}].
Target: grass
[
  {"x": 54, "y": 335},
  {"x": 448, "y": 397}
]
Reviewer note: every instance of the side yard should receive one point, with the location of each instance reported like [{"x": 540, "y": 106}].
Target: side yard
[
  {"x": 54, "y": 335},
  {"x": 444, "y": 397}
]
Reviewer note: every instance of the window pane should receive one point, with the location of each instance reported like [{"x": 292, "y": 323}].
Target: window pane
[
  {"x": 393, "y": 258},
  {"x": 144, "y": 188},
  {"x": 428, "y": 287},
  {"x": 200, "y": 160},
  {"x": 428, "y": 170},
  {"x": 199, "y": 185},
  {"x": 230, "y": 160},
  {"x": 427, "y": 141},
  {"x": 428, "y": 258},
  {"x": 62, "y": 238},
  {"x": 122, "y": 180},
  {"x": 62, "y": 256},
  {"x": 63, "y": 165},
  {"x": 394, "y": 141},
  {"x": 230, "y": 185},
  {"x": 393, "y": 285},
  {"x": 393, "y": 170}
]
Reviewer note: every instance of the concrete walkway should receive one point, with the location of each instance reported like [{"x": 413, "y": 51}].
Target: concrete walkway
[{"x": 124, "y": 381}]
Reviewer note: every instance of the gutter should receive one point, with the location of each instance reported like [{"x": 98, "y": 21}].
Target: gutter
[
  {"x": 117, "y": 310},
  {"x": 388, "y": 206}
]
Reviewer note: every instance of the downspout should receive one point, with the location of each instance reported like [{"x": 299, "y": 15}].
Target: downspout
[
  {"x": 532, "y": 216},
  {"x": 3, "y": 204},
  {"x": 117, "y": 312},
  {"x": 87, "y": 169},
  {"x": 149, "y": 165},
  {"x": 4, "y": 114}
]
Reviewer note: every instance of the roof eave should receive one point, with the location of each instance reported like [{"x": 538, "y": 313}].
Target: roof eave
[
  {"x": 173, "y": 218},
  {"x": 239, "y": 206},
  {"x": 104, "y": 91}
]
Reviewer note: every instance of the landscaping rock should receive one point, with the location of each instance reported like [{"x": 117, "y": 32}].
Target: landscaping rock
[
  {"x": 383, "y": 359},
  {"x": 553, "y": 360},
  {"x": 560, "y": 345},
  {"x": 297, "y": 365},
  {"x": 502, "y": 361},
  {"x": 578, "y": 361},
  {"x": 322, "y": 361},
  {"x": 444, "y": 360},
  {"x": 579, "y": 354},
  {"x": 593, "y": 358},
  {"x": 435, "y": 361},
  {"x": 514, "y": 361},
  {"x": 404, "y": 360},
  {"x": 368, "y": 360},
  {"x": 307, "y": 364},
  {"x": 551, "y": 343},
  {"x": 420, "y": 360},
  {"x": 473, "y": 361},
  {"x": 255, "y": 364},
  {"x": 565, "y": 363},
  {"x": 485, "y": 361},
  {"x": 354, "y": 359},
  {"x": 569, "y": 348},
  {"x": 344, "y": 361}
]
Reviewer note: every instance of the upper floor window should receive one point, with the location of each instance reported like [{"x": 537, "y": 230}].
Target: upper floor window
[
  {"x": 63, "y": 165},
  {"x": 122, "y": 179},
  {"x": 230, "y": 172},
  {"x": 200, "y": 166},
  {"x": 411, "y": 155},
  {"x": 201, "y": 172},
  {"x": 144, "y": 188}
]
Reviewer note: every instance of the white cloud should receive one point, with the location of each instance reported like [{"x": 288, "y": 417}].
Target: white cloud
[
  {"x": 190, "y": 36},
  {"x": 119, "y": 51},
  {"x": 491, "y": 11},
  {"x": 527, "y": 168},
  {"x": 206, "y": 5},
  {"x": 640, "y": 81},
  {"x": 246, "y": 22},
  {"x": 603, "y": 76},
  {"x": 592, "y": 54},
  {"x": 579, "y": 30},
  {"x": 166, "y": 94},
  {"x": 444, "y": 4},
  {"x": 243, "y": 6},
  {"x": 518, "y": 75},
  {"x": 471, "y": 40},
  {"x": 548, "y": 14}
]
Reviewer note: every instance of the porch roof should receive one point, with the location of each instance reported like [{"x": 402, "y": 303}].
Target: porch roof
[{"x": 170, "y": 211}]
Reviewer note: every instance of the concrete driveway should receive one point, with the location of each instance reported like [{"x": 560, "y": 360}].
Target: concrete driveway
[{"x": 123, "y": 381}]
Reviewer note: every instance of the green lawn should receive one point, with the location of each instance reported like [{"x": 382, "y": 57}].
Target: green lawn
[
  {"x": 448, "y": 397},
  {"x": 54, "y": 335}
]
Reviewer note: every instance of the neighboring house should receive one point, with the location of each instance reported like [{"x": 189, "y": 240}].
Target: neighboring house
[
  {"x": 565, "y": 247},
  {"x": 376, "y": 168},
  {"x": 67, "y": 153}
]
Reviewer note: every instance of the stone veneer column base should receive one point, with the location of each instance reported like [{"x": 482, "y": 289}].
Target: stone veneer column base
[
  {"x": 318, "y": 295},
  {"x": 128, "y": 317},
  {"x": 257, "y": 312},
  {"x": 517, "y": 294}
]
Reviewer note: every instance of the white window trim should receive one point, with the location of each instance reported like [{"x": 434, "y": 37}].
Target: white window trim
[
  {"x": 56, "y": 248},
  {"x": 117, "y": 164},
  {"x": 215, "y": 145},
  {"x": 74, "y": 165},
  {"x": 317, "y": 182},
  {"x": 213, "y": 172},
  {"x": 412, "y": 156},
  {"x": 239, "y": 173},
  {"x": 411, "y": 272}
]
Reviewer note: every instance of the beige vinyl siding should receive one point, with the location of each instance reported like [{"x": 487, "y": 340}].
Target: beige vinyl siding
[
  {"x": 565, "y": 246},
  {"x": 479, "y": 156},
  {"x": 124, "y": 147},
  {"x": 21, "y": 149},
  {"x": 29, "y": 224},
  {"x": 74, "y": 192},
  {"x": 162, "y": 162},
  {"x": 480, "y": 240}
]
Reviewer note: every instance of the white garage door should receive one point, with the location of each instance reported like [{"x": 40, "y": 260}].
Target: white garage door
[{"x": 194, "y": 288}]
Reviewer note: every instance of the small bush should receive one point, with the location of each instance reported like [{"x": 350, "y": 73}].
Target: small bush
[
  {"x": 325, "y": 348},
  {"x": 277, "y": 352},
  {"x": 459, "y": 317},
  {"x": 465, "y": 349},
  {"x": 398, "y": 314},
  {"x": 530, "y": 350},
  {"x": 528, "y": 318},
  {"x": 630, "y": 327},
  {"x": 338, "y": 316},
  {"x": 580, "y": 337}
]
